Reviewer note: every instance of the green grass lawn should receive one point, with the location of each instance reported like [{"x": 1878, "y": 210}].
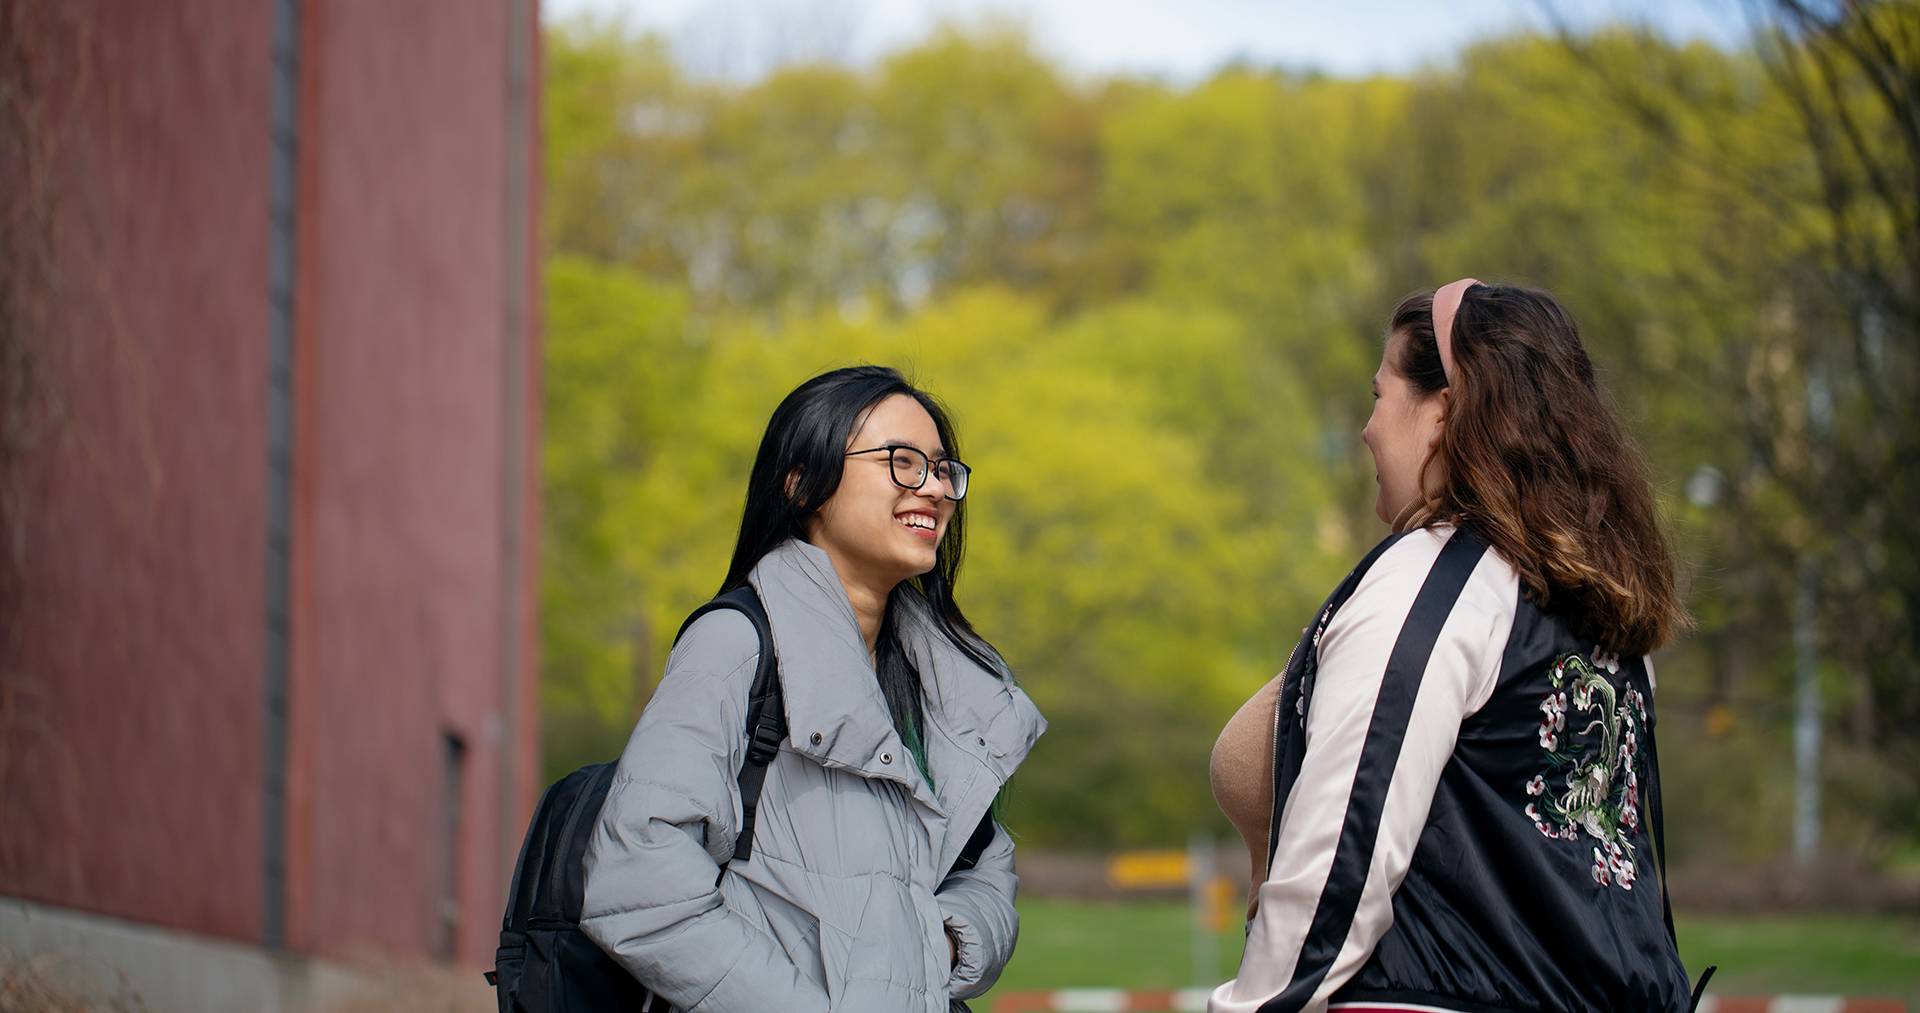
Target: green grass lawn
[
  {"x": 1147, "y": 945},
  {"x": 1105, "y": 944},
  {"x": 1826, "y": 954}
]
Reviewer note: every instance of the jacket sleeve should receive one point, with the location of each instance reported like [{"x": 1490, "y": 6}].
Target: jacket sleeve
[
  {"x": 1380, "y": 728},
  {"x": 977, "y": 906},
  {"x": 669, "y": 822}
]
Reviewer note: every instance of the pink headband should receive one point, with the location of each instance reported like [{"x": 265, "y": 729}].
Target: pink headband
[{"x": 1446, "y": 303}]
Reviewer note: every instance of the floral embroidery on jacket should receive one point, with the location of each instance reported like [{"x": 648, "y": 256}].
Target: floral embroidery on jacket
[{"x": 1591, "y": 734}]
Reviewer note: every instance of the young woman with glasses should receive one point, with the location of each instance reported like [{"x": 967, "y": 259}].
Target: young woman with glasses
[
  {"x": 1450, "y": 796},
  {"x": 903, "y": 724}
]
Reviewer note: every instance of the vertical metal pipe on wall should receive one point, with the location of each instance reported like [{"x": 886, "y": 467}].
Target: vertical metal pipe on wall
[
  {"x": 516, "y": 334},
  {"x": 284, "y": 137}
]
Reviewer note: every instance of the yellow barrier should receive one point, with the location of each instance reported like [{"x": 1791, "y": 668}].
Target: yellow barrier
[{"x": 1149, "y": 870}]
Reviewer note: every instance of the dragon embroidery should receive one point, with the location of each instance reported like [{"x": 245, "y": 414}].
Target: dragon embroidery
[{"x": 1591, "y": 734}]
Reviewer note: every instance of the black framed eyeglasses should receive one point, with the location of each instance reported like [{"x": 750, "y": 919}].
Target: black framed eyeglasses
[{"x": 910, "y": 467}]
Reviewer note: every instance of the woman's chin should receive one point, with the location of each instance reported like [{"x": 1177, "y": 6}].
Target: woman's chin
[
  {"x": 913, "y": 562},
  {"x": 924, "y": 560}
]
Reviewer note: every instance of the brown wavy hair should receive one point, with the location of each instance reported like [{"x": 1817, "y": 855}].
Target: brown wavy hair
[{"x": 1536, "y": 463}]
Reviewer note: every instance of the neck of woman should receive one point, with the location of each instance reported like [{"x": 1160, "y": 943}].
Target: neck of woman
[{"x": 869, "y": 610}]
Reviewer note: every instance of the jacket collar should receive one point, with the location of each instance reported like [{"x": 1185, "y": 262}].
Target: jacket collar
[{"x": 830, "y": 690}]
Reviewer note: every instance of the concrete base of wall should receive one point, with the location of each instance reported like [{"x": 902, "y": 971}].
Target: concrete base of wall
[{"x": 109, "y": 964}]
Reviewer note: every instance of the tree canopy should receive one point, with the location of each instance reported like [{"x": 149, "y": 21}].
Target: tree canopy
[{"x": 1154, "y": 311}]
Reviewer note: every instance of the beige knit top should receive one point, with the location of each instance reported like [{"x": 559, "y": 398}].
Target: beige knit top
[{"x": 1241, "y": 772}]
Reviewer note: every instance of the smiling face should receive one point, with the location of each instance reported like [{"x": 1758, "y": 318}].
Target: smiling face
[
  {"x": 1402, "y": 432},
  {"x": 876, "y": 532}
]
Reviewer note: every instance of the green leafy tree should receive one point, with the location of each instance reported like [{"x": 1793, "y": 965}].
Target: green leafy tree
[{"x": 1155, "y": 309}]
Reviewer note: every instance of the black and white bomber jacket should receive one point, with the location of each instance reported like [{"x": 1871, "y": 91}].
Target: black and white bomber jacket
[{"x": 1466, "y": 804}]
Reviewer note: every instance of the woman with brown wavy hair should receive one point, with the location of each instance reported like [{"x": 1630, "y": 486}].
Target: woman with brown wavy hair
[{"x": 1450, "y": 795}]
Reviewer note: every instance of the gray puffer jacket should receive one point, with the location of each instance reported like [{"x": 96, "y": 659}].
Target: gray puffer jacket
[{"x": 842, "y": 904}]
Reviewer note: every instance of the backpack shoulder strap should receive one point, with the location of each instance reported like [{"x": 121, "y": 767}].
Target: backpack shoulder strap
[
  {"x": 976, "y": 844},
  {"x": 519, "y": 902},
  {"x": 1656, "y": 822},
  {"x": 766, "y": 709}
]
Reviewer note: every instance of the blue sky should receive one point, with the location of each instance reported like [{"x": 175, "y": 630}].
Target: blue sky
[{"x": 1177, "y": 39}]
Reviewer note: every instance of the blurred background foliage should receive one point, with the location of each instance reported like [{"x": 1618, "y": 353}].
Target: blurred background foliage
[{"x": 1155, "y": 308}]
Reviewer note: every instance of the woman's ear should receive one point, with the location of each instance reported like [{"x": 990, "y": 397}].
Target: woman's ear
[
  {"x": 1442, "y": 403},
  {"x": 793, "y": 482}
]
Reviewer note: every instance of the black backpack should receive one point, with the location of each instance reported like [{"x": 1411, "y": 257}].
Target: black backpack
[{"x": 545, "y": 964}]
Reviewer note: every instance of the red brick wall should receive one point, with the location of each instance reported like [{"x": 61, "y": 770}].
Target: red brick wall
[
  {"x": 132, "y": 620},
  {"x": 131, "y": 616},
  {"x": 402, "y": 358}
]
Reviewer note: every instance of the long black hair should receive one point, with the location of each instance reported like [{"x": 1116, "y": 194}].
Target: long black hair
[{"x": 807, "y": 436}]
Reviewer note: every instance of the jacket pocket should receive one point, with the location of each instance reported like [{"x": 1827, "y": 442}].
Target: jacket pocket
[{"x": 796, "y": 929}]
